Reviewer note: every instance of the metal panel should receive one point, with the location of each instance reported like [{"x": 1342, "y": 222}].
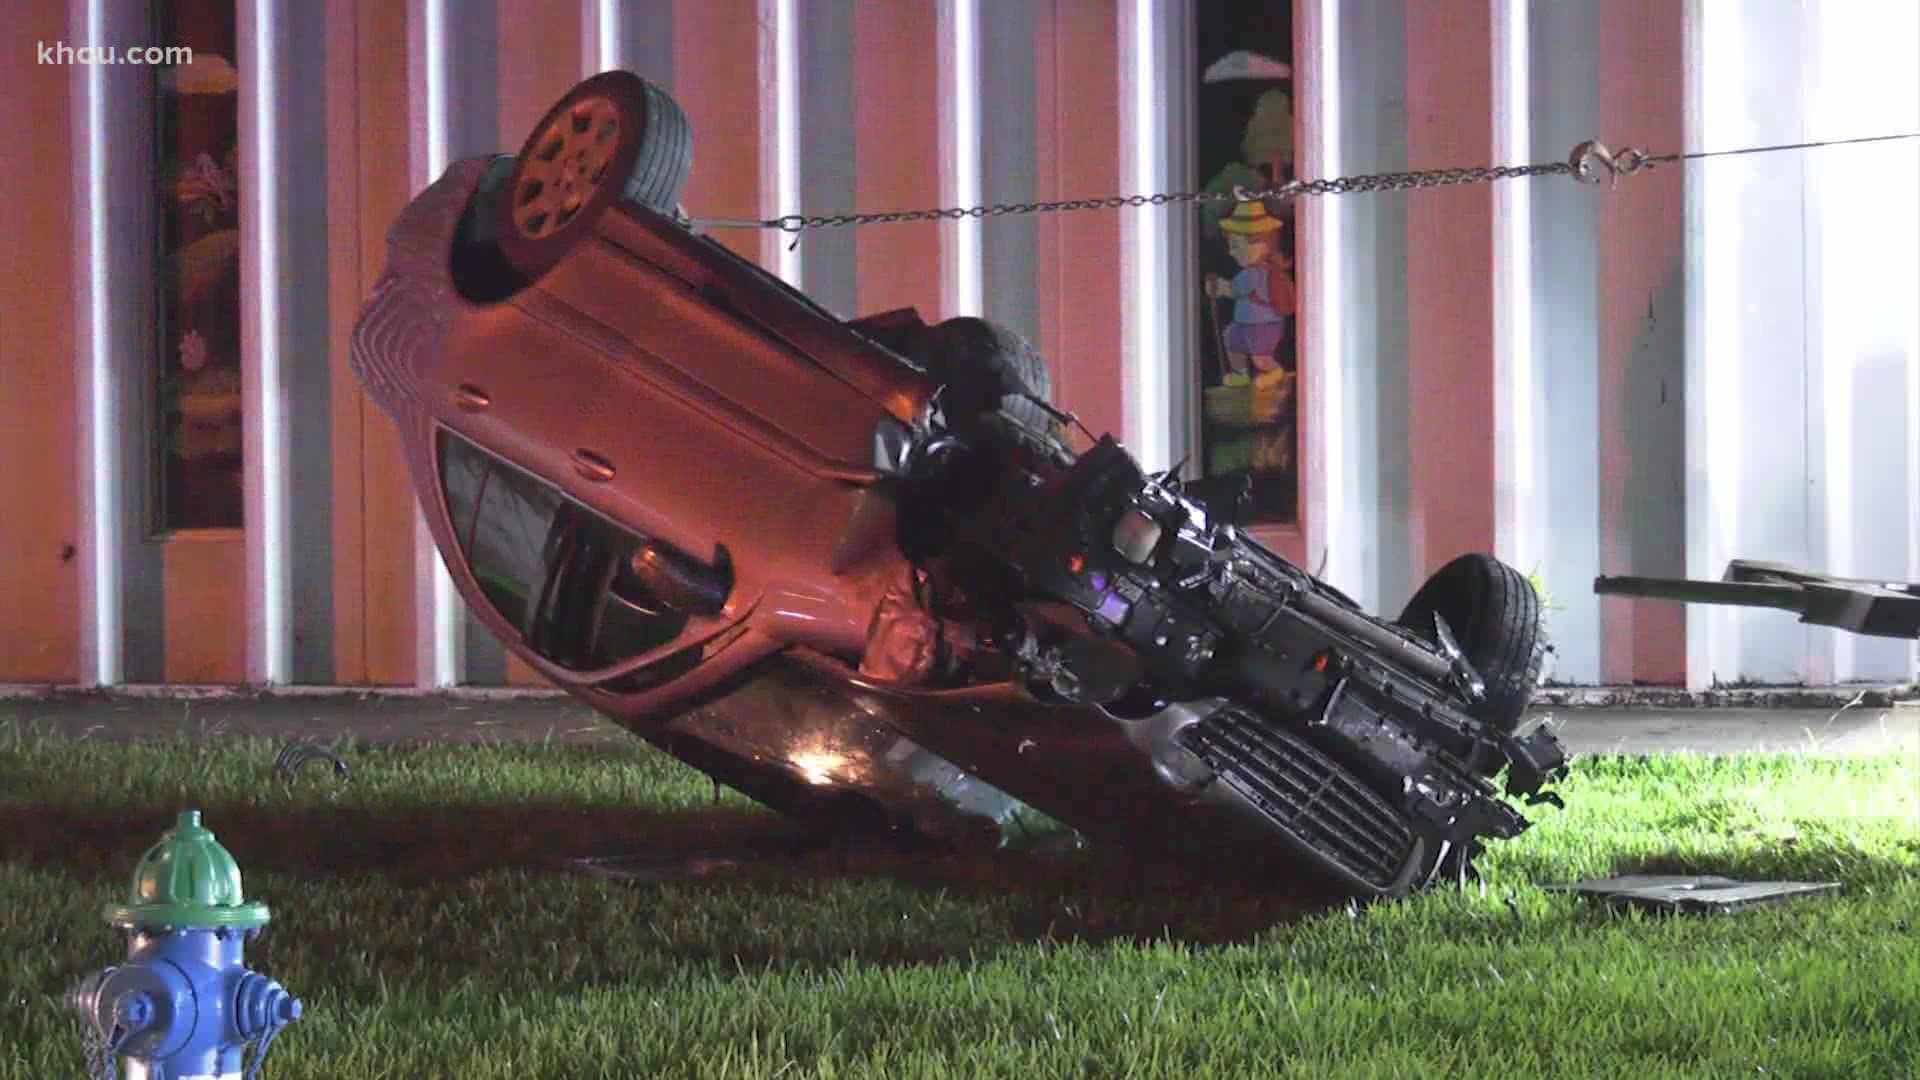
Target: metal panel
[
  {"x": 1145, "y": 304},
  {"x": 1008, "y": 170},
  {"x": 723, "y": 102},
  {"x": 1563, "y": 237},
  {"x": 1747, "y": 494},
  {"x": 307, "y": 313},
  {"x": 1369, "y": 496},
  {"x": 630, "y": 35},
  {"x": 122, "y": 574},
  {"x": 1449, "y": 311},
  {"x": 454, "y": 75},
  {"x": 383, "y": 137},
  {"x": 288, "y": 607},
  {"x": 40, "y": 416},
  {"x": 1639, "y": 251},
  {"x": 778, "y": 49},
  {"x": 1863, "y": 328},
  {"x": 962, "y": 269},
  {"x": 1324, "y": 444},
  {"x": 897, "y": 118},
  {"x": 828, "y": 149}
]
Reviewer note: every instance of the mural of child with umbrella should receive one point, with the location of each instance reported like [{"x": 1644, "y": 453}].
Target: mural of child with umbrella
[{"x": 1247, "y": 349}]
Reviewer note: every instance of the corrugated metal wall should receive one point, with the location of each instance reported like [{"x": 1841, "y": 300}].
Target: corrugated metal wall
[
  {"x": 1805, "y": 331},
  {"x": 1705, "y": 362},
  {"x": 349, "y": 106}
]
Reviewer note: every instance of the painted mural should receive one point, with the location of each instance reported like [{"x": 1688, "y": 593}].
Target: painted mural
[
  {"x": 200, "y": 413},
  {"x": 1247, "y": 289}
]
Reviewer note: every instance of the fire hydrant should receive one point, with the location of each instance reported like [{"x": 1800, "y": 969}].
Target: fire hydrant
[{"x": 183, "y": 1004}]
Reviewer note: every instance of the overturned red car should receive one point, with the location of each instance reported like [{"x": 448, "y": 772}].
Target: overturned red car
[{"x": 856, "y": 571}]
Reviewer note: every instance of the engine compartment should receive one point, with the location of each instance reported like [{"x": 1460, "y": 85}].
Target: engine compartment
[{"x": 1241, "y": 677}]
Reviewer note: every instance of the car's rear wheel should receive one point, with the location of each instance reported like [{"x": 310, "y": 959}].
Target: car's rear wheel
[
  {"x": 614, "y": 136},
  {"x": 1494, "y": 614}
]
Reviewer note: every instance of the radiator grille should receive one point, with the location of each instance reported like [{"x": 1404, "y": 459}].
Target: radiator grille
[{"x": 1305, "y": 792}]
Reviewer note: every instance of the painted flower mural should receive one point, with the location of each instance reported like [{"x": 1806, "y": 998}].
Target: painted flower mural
[
  {"x": 201, "y": 407},
  {"x": 193, "y": 351},
  {"x": 208, "y": 188}
]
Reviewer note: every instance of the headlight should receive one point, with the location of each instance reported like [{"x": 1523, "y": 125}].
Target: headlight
[{"x": 1136, "y": 536}]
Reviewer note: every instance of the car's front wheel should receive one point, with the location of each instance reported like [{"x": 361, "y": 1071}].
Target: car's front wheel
[
  {"x": 1494, "y": 614},
  {"x": 985, "y": 366}
]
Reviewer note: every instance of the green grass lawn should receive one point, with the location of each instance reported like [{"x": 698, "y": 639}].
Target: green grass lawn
[{"x": 415, "y": 914}]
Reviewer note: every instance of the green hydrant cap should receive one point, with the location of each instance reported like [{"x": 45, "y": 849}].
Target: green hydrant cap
[{"x": 189, "y": 882}]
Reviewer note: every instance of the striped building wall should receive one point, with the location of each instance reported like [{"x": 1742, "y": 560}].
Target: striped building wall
[{"x": 1581, "y": 379}]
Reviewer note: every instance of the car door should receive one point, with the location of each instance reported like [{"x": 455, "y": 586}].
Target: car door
[{"x": 518, "y": 469}]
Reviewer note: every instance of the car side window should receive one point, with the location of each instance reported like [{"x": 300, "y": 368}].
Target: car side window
[{"x": 548, "y": 566}]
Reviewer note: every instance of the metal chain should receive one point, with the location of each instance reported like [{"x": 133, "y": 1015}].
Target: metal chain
[
  {"x": 102, "y": 1049},
  {"x": 1591, "y": 162},
  {"x": 795, "y": 223},
  {"x": 94, "y": 1045},
  {"x": 260, "y": 1051}
]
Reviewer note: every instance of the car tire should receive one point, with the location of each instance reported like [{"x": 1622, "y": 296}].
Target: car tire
[
  {"x": 659, "y": 175},
  {"x": 480, "y": 271},
  {"x": 1494, "y": 614},
  {"x": 613, "y": 136},
  {"x": 984, "y": 365}
]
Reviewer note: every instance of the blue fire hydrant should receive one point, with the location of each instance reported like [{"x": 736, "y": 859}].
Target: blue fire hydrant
[{"x": 183, "y": 1004}]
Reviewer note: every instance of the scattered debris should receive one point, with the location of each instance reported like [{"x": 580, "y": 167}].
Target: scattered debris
[
  {"x": 1866, "y": 606},
  {"x": 681, "y": 865},
  {"x": 295, "y": 755},
  {"x": 650, "y": 867},
  {"x": 1851, "y": 702},
  {"x": 1693, "y": 894}
]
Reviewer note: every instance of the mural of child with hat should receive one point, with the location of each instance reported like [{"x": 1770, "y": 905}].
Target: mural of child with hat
[
  {"x": 1262, "y": 292},
  {"x": 1247, "y": 351},
  {"x": 1259, "y": 335}
]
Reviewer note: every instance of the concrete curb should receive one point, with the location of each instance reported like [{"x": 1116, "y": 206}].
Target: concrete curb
[
  {"x": 1744, "y": 697},
  {"x": 58, "y": 693}
]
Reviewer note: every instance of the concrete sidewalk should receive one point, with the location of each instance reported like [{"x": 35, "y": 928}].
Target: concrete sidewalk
[
  {"x": 1855, "y": 730},
  {"x": 387, "y": 717}
]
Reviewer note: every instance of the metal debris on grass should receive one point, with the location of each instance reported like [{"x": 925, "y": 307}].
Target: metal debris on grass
[
  {"x": 1693, "y": 894},
  {"x": 650, "y": 867},
  {"x": 294, "y": 756},
  {"x": 681, "y": 865}
]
